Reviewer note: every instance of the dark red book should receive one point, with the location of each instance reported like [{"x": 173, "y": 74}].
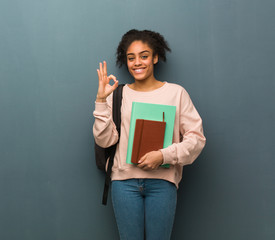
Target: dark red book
[{"x": 149, "y": 136}]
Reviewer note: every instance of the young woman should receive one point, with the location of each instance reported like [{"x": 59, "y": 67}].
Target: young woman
[{"x": 144, "y": 196}]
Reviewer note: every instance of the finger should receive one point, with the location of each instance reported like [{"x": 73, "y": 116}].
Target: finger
[
  {"x": 146, "y": 168},
  {"x": 113, "y": 78},
  {"x": 141, "y": 165},
  {"x": 105, "y": 68},
  {"x": 115, "y": 85},
  {"x": 142, "y": 159},
  {"x": 98, "y": 74},
  {"x": 100, "y": 69}
]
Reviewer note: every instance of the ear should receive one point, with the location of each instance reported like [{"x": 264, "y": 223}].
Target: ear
[{"x": 156, "y": 59}]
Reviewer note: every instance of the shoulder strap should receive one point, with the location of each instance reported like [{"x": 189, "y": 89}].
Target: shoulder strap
[{"x": 117, "y": 100}]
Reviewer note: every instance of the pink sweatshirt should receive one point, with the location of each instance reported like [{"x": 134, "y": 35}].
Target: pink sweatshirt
[{"x": 188, "y": 138}]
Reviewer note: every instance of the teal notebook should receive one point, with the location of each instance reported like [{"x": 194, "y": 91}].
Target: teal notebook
[{"x": 149, "y": 111}]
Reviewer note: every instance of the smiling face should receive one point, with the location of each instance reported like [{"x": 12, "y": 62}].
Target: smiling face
[{"x": 140, "y": 61}]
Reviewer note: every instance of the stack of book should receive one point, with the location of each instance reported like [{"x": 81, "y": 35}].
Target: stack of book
[{"x": 151, "y": 129}]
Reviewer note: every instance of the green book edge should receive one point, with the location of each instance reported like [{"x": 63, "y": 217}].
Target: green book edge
[{"x": 150, "y": 111}]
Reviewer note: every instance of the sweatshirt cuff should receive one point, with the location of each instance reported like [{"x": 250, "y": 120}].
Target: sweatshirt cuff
[
  {"x": 101, "y": 106},
  {"x": 169, "y": 155}
]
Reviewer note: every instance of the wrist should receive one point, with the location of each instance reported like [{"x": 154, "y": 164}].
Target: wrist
[
  {"x": 100, "y": 100},
  {"x": 160, "y": 157}
]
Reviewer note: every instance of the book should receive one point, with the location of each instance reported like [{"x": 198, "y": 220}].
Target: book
[
  {"x": 154, "y": 112},
  {"x": 149, "y": 136}
]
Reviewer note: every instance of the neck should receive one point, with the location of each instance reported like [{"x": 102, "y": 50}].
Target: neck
[{"x": 146, "y": 85}]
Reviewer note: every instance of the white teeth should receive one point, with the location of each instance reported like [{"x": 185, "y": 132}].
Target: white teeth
[{"x": 138, "y": 70}]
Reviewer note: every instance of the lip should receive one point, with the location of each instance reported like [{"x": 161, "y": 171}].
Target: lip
[{"x": 139, "y": 70}]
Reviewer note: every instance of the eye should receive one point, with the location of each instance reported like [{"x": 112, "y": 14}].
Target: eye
[
  {"x": 130, "y": 59},
  {"x": 144, "y": 57}
]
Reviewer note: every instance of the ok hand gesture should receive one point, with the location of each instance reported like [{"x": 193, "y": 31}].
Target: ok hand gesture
[{"x": 104, "y": 86}]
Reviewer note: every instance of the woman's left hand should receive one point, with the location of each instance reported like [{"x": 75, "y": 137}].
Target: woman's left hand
[{"x": 151, "y": 160}]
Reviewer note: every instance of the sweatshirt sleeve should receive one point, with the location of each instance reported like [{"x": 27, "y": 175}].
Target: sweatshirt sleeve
[
  {"x": 104, "y": 129},
  {"x": 191, "y": 138}
]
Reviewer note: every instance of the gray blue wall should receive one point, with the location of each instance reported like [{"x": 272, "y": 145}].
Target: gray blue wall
[{"x": 223, "y": 53}]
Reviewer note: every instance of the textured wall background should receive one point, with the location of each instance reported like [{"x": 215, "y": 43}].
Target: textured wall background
[{"x": 223, "y": 53}]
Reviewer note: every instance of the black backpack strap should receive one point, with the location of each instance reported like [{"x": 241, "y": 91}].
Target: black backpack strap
[{"x": 117, "y": 100}]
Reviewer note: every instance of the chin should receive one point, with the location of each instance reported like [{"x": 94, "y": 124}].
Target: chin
[{"x": 138, "y": 77}]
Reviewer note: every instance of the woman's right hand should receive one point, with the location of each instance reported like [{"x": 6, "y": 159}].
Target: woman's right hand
[{"x": 104, "y": 86}]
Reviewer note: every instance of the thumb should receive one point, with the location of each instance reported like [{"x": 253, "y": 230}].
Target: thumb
[{"x": 142, "y": 159}]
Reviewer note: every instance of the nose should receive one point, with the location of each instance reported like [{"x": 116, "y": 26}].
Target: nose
[{"x": 137, "y": 62}]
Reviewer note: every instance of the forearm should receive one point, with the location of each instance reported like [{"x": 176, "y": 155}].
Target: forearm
[
  {"x": 185, "y": 152},
  {"x": 104, "y": 129}
]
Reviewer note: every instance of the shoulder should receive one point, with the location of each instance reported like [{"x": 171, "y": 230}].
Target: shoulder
[{"x": 176, "y": 88}]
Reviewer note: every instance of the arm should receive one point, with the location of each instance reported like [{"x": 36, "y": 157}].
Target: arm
[
  {"x": 189, "y": 139},
  {"x": 192, "y": 141},
  {"x": 104, "y": 129}
]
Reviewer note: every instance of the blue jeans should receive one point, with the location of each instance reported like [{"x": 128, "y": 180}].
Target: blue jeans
[{"x": 144, "y": 207}]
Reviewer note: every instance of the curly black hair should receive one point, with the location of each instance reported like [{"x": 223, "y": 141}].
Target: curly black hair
[{"x": 153, "y": 39}]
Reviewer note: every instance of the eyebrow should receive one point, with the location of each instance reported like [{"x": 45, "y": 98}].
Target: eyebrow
[{"x": 139, "y": 53}]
